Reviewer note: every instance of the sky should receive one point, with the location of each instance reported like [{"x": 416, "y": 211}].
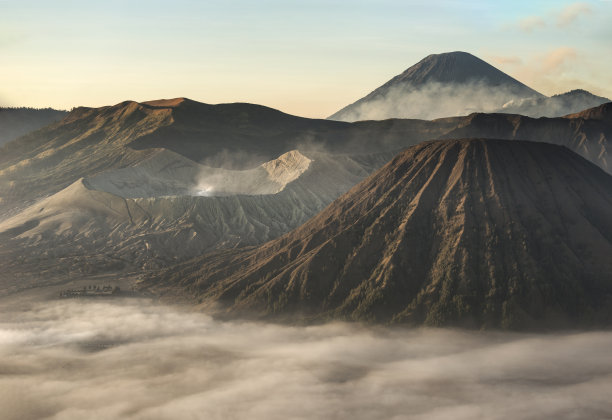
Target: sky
[{"x": 307, "y": 58}]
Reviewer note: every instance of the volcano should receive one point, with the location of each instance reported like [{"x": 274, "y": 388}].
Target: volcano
[{"x": 479, "y": 233}]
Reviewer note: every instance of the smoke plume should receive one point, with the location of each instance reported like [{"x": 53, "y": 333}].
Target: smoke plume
[{"x": 430, "y": 101}]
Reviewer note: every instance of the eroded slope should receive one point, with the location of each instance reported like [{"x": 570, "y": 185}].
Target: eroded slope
[{"x": 484, "y": 233}]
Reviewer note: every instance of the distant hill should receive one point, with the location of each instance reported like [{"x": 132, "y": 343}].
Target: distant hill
[
  {"x": 15, "y": 122},
  {"x": 554, "y": 106},
  {"x": 440, "y": 85},
  {"x": 478, "y": 233}
]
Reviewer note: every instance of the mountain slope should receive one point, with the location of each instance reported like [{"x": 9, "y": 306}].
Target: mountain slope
[
  {"x": 91, "y": 141},
  {"x": 600, "y": 113},
  {"x": 155, "y": 214},
  {"x": 440, "y": 85},
  {"x": 15, "y": 122},
  {"x": 585, "y": 133},
  {"x": 484, "y": 233}
]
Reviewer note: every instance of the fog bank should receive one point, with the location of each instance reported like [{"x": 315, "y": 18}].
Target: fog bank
[{"x": 74, "y": 360}]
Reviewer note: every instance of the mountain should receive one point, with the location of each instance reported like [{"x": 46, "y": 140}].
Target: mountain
[
  {"x": 168, "y": 209},
  {"x": 440, "y": 85},
  {"x": 479, "y": 233},
  {"x": 90, "y": 141},
  {"x": 554, "y": 106},
  {"x": 197, "y": 178},
  {"x": 15, "y": 122},
  {"x": 582, "y": 134}
]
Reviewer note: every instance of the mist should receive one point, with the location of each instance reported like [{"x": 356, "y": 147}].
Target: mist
[
  {"x": 430, "y": 101},
  {"x": 554, "y": 106},
  {"x": 135, "y": 360}
]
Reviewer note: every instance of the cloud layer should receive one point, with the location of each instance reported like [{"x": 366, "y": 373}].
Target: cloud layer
[{"x": 74, "y": 360}]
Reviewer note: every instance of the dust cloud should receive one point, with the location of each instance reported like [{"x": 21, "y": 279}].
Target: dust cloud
[{"x": 134, "y": 360}]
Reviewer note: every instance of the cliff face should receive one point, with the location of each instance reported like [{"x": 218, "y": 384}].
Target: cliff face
[{"x": 482, "y": 233}]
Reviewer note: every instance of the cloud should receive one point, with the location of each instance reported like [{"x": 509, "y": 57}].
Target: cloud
[
  {"x": 134, "y": 360},
  {"x": 530, "y": 23},
  {"x": 550, "y": 71},
  {"x": 562, "y": 18},
  {"x": 571, "y": 13},
  {"x": 556, "y": 58},
  {"x": 503, "y": 60}
]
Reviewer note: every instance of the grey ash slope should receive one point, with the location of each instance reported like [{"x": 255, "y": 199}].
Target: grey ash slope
[
  {"x": 151, "y": 215},
  {"x": 440, "y": 85},
  {"x": 482, "y": 233}
]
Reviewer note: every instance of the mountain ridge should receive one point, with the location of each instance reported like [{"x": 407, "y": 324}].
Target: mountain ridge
[{"x": 90, "y": 141}]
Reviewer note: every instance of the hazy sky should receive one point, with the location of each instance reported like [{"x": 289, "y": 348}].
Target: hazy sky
[{"x": 306, "y": 57}]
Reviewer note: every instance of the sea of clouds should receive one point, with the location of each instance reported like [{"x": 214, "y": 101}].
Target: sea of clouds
[{"x": 132, "y": 359}]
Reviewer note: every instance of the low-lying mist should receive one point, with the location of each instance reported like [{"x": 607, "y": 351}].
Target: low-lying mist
[
  {"x": 430, "y": 101},
  {"x": 132, "y": 359}
]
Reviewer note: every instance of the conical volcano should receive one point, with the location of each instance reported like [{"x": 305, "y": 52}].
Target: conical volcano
[
  {"x": 458, "y": 67},
  {"x": 440, "y": 85},
  {"x": 480, "y": 233}
]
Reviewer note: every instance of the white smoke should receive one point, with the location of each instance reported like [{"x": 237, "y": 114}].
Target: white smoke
[
  {"x": 555, "y": 106},
  {"x": 268, "y": 178},
  {"x": 132, "y": 360},
  {"x": 430, "y": 101},
  {"x": 223, "y": 173}
]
